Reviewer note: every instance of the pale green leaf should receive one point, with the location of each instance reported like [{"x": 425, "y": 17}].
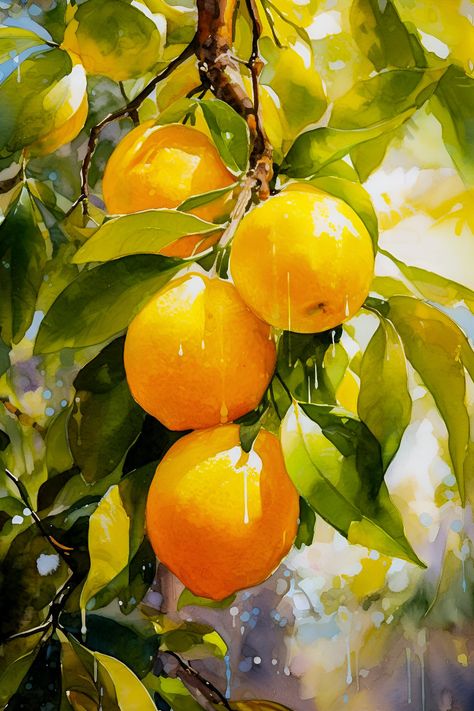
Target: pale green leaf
[
  {"x": 384, "y": 402},
  {"x": 15, "y": 40},
  {"x": 436, "y": 347},
  {"x": 140, "y": 233},
  {"x": 334, "y": 467}
]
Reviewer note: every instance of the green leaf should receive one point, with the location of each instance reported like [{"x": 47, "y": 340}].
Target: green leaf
[
  {"x": 366, "y": 157},
  {"x": 307, "y": 520},
  {"x": 336, "y": 466},
  {"x": 177, "y": 111},
  {"x": 315, "y": 149},
  {"x": 453, "y": 106},
  {"x": 140, "y": 233},
  {"x": 135, "y": 645},
  {"x": 187, "y": 598},
  {"x": 105, "y": 419},
  {"x": 13, "y": 675},
  {"x": 384, "y": 402},
  {"x": 434, "y": 287},
  {"x": 132, "y": 582},
  {"x": 33, "y": 96},
  {"x": 229, "y": 132},
  {"x": 205, "y": 198},
  {"x": 381, "y": 35},
  {"x": 356, "y": 197},
  {"x": 23, "y": 258},
  {"x": 15, "y": 40},
  {"x": 41, "y": 685},
  {"x": 109, "y": 528},
  {"x": 26, "y": 593},
  {"x": 384, "y": 97},
  {"x": 296, "y": 82},
  {"x": 103, "y": 300},
  {"x": 194, "y": 640},
  {"x": 437, "y": 348},
  {"x": 131, "y": 694},
  {"x": 175, "y": 694}
]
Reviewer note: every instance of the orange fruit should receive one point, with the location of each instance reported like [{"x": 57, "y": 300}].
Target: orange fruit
[
  {"x": 161, "y": 166},
  {"x": 218, "y": 518},
  {"x": 303, "y": 260},
  {"x": 196, "y": 356}
]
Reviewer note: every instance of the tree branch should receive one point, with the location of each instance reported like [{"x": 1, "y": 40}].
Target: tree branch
[
  {"x": 129, "y": 109},
  {"x": 200, "y": 688},
  {"x": 219, "y": 71},
  {"x": 23, "y": 419}
]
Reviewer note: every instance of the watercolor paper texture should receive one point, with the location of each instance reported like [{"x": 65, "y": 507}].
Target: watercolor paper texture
[{"x": 236, "y": 365}]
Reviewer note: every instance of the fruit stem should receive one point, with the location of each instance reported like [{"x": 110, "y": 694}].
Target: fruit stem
[{"x": 219, "y": 71}]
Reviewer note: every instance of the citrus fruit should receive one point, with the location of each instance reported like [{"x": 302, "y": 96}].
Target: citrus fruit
[
  {"x": 161, "y": 166},
  {"x": 303, "y": 260},
  {"x": 196, "y": 356},
  {"x": 113, "y": 38},
  {"x": 70, "y": 93},
  {"x": 219, "y": 518}
]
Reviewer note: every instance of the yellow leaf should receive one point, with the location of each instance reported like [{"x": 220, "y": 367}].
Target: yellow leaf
[
  {"x": 131, "y": 694},
  {"x": 108, "y": 544}
]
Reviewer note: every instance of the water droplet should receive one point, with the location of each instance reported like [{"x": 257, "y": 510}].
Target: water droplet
[
  {"x": 224, "y": 413},
  {"x": 180, "y": 349}
]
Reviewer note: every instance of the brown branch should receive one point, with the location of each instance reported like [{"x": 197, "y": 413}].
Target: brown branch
[
  {"x": 219, "y": 70},
  {"x": 128, "y": 110},
  {"x": 200, "y": 688},
  {"x": 23, "y": 419}
]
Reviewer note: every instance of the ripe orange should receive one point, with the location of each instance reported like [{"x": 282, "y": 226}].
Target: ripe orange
[
  {"x": 161, "y": 166},
  {"x": 303, "y": 260},
  {"x": 218, "y": 518},
  {"x": 196, "y": 356}
]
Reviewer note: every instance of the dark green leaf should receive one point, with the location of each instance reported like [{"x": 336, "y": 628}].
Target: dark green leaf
[
  {"x": 348, "y": 490},
  {"x": 307, "y": 520},
  {"x": 437, "y": 348},
  {"x": 453, "y": 106},
  {"x": 140, "y": 233},
  {"x": 384, "y": 402},
  {"x": 103, "y": 300},
  {"x": 13, "y": 675},
  {"x": 41, "y": 686},
  {"x": 195, "y": 640},
  {"x": 23, "y": 257},
  {"x": 356, "y": 197},
  {"x": 135, "y": 648},
  {"x": 105, "y": 419},
  {"x": 229, "y": 132},
  {"x": 381, "y": 35}
]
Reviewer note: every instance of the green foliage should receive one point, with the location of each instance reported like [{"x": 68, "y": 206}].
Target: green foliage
[
  {"x": 439, "y": 351},
  {"x": 105, "y": 420},
  {"x": 87, "y": 469},
  {"x": 142, "y": 233},
  {"x": 104, "y": 301},
  {"x": 31, "y": 103},
  {"x": 384, "y": 401},
  {"x": 229, "y": 132},
  {"x": 22, "y": 251},
  {"x": 348, "y": 490}
]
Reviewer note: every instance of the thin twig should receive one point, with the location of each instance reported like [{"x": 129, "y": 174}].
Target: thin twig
[
  {"x": 193, "y": 680},
  {"x": 133, "y": 113},
  {"x": 62, "y": 551},
  {"x": 23, "y": 419},
  {"x": 126, "y": 110}
]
